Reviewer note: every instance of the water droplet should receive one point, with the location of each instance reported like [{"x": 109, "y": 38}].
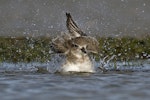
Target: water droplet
[
  {"x": 51, "y": 26},
  {"x": 33, "y": 24},
  {"x": 119, "y": 54}
]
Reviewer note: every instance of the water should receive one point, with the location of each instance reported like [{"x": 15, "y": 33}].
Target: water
[{"x": 22, "y": 82}]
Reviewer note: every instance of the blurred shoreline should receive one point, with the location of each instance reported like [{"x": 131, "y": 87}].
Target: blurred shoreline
[{"x": 37, "y": 49}]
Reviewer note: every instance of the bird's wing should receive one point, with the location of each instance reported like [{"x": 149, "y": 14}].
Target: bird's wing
[
  {"x": 72, "y": 27},
  {"x": 58, "y": 45}
]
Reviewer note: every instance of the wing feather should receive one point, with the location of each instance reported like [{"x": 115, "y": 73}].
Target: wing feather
[{"x": 72, "y": 27}]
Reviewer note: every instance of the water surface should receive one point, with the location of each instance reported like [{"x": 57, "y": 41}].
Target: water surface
[{"x": 25, "y": 83}]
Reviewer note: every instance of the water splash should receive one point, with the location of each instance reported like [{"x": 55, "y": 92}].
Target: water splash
[
  {"x": 55, "y": 63},
  {"x": 104, "y": 63}
]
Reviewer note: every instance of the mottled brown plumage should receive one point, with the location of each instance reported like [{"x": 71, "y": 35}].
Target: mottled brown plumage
[{"x": 76, "y": 46}]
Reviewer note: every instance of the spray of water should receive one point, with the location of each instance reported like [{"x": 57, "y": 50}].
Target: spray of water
[
  {"x": 55, "y": 63},
  {"x": 104, "y": 63}
]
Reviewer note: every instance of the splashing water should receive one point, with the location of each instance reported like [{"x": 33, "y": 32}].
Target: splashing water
[
  {"x": 55, "y": 63},
  {"x": 104, "y": 64}
]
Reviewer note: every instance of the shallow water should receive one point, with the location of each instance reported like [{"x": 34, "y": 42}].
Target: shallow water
[{"x": 23, "y": 82}]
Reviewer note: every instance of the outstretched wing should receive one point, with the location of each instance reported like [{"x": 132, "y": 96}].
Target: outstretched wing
[{"x": 72, "y": 27}]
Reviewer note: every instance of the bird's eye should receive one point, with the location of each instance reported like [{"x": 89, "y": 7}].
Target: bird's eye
[{"x": 74, "y": 45}]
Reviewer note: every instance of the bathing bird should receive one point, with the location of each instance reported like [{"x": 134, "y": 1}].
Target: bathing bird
[{"x": 77, "y": 47}]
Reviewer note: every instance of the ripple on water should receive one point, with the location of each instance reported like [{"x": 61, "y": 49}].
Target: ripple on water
[{"x": 21, "y": 81}]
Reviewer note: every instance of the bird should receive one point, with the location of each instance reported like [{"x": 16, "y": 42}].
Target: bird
[{"x": 77, "y": 47}]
